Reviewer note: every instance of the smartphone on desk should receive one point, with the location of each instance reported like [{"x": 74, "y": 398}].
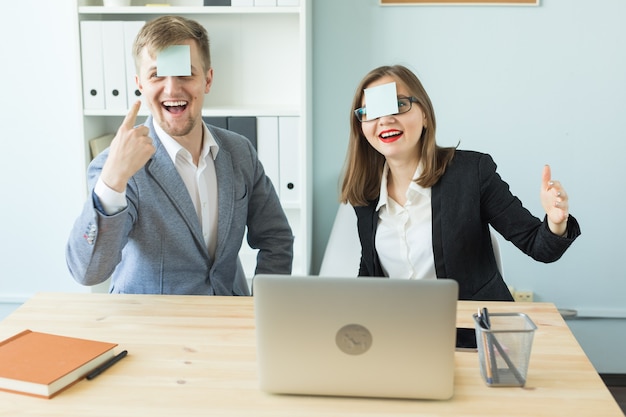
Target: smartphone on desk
[{"x": 466, "y": 339}]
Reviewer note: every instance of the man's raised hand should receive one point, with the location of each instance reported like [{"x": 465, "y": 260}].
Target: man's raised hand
[{"x": 130, "y": 150}]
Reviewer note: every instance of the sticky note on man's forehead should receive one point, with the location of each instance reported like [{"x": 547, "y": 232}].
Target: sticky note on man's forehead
[
  {"x": 381, "y": 100},
  {"x": 174, "y": 61}
]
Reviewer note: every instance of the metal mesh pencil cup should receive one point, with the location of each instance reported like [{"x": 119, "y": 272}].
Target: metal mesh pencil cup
[{"x": 504, "y": 348}]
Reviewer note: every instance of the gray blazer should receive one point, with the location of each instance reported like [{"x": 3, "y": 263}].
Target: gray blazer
[{"x": 155, "y": 245}]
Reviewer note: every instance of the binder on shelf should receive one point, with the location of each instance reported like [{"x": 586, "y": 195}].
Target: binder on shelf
[
  {"x": 91, "y": 59},
  {"x": 217, "y": 2},
  {"x": 265, "y": 3},
  {"x": 289, "y": 159},
  {"x": 244, "y": 126},
  {"x": 217, "y": 121},
  {"x": 100, "y": 143},
  {"x": 267, "y": 147},
  {"x": 242, "y": 3},
  {"x": 131, "y": 29},
  {"x": 292, "y": 3},
  {"x": 115, "y": 97}
]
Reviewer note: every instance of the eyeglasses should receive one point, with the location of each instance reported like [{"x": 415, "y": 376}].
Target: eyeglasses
[{"x": 404, "y": 105}]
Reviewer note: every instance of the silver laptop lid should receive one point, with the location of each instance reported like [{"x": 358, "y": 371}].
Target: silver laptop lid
[{"x": 371, "y": 337}]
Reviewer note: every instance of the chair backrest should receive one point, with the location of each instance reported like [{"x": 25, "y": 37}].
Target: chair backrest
[
  {"x": 343, "y": 250},
  {"x": 496, "y": 251}
]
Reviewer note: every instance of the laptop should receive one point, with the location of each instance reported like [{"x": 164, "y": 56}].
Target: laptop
[{"x": 358, "y": 337}]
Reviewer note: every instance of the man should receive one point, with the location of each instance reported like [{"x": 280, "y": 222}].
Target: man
[{"x": 171, "y": 199}]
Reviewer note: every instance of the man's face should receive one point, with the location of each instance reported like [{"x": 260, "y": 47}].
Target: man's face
[{"x": 175, "y": 101}]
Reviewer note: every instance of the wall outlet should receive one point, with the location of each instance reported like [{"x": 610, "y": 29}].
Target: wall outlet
[{"x": 523, "y": 296}]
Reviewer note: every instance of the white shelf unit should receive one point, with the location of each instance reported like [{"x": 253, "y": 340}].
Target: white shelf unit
[{"x": 261, "y": 58}]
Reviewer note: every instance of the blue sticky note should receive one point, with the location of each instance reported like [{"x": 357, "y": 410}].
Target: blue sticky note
[
  {"x": 381, "y": 100},
  {"x": 174, "y": 61}
]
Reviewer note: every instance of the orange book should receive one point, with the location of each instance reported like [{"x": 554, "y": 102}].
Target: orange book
[{"x": 43, "y": 364}]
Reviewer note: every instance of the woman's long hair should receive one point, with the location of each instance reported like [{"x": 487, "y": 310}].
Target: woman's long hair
[{"x": 363, "y": 167}]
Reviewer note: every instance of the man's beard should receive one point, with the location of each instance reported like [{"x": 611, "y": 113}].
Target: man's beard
[{"x": 178, "y": 130}]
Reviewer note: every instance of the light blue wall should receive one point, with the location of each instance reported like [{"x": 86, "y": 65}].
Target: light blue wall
[
  {"x": 7, "y": 308},
  {"x": 530, "y": 86}
]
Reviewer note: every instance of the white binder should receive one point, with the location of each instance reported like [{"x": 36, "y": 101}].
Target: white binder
[
  {"x": 115, "y": 97},
  {"x": 131, "y": 29},
  {"x": 267, "y": 147},
  {"x": 91, "y": 58},
  {"x": 289, "y": 159}
]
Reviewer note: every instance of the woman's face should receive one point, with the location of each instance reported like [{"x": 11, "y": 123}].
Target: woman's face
[{"x": 395, "y": 136}]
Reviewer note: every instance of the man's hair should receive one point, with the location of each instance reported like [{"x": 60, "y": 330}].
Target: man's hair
[{"x": 166, "y": 31}]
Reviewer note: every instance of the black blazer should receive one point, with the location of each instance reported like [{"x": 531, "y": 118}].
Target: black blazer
[{"x": 468, "y": 198}]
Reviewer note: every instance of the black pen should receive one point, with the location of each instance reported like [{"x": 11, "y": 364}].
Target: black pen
[
  {"x": 485, "y": 316},
  {"x": 488, "y": 341},
  {"x": 115, "y": 359},
  {"x": 482, "y": 320}
]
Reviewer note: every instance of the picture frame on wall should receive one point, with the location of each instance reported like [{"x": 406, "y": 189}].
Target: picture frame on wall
[{"x": 459, "y": 2}]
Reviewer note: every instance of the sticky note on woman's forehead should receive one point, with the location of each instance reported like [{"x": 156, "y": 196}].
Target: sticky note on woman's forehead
[
  {"x": 381, "y": 100},
  {"x": 174, "y": 61}
]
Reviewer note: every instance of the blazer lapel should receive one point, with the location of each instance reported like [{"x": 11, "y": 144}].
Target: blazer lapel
[
  {"x": 437, "y": 213},
  {"x": 225, "y": 195},
  {"x": 162, "y": 170}
]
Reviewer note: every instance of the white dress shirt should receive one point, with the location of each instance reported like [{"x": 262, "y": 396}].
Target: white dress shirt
[
  {"x": 404, "y": 233},
  {"x": 200, "y": 181}
]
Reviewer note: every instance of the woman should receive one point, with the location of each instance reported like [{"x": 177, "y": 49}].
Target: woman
[{"x": 424, "y": 211}]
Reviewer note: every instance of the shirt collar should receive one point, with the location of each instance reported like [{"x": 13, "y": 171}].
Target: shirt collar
[
  {"x": 413, "y": 187},
  {"x": 209, "y": 145},
  {"x": 382, "y": 200}
]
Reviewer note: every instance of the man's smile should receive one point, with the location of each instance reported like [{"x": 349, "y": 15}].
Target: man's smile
[{"x": 175, "y": 107}]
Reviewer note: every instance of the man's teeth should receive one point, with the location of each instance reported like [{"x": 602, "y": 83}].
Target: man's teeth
[{"x": 175, "y": 103}]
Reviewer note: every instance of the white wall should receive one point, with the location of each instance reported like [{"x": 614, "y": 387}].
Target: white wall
[
  {"x": 41, "y": 161},
  {"x": 530, "y": 86}
]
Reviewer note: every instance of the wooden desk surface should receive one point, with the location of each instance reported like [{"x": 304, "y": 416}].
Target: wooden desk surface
[{"x": 195, "y": 356}]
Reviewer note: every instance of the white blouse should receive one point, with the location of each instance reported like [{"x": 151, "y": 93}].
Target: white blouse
[{"x": 404, "y": 233}]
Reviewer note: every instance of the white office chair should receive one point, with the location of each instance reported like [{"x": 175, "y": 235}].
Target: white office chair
[
  {"x": 343, "y": 250},
  {"x": 496, "y": 251}
]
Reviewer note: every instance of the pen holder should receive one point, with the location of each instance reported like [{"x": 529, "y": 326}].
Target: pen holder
[{"x": 504, "y": 348}]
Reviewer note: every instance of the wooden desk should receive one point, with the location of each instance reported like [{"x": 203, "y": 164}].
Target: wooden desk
[{"x": 195, "y": 356}]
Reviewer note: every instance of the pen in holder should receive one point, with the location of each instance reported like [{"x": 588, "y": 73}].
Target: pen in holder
[{"x": 504, "y": 343}]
